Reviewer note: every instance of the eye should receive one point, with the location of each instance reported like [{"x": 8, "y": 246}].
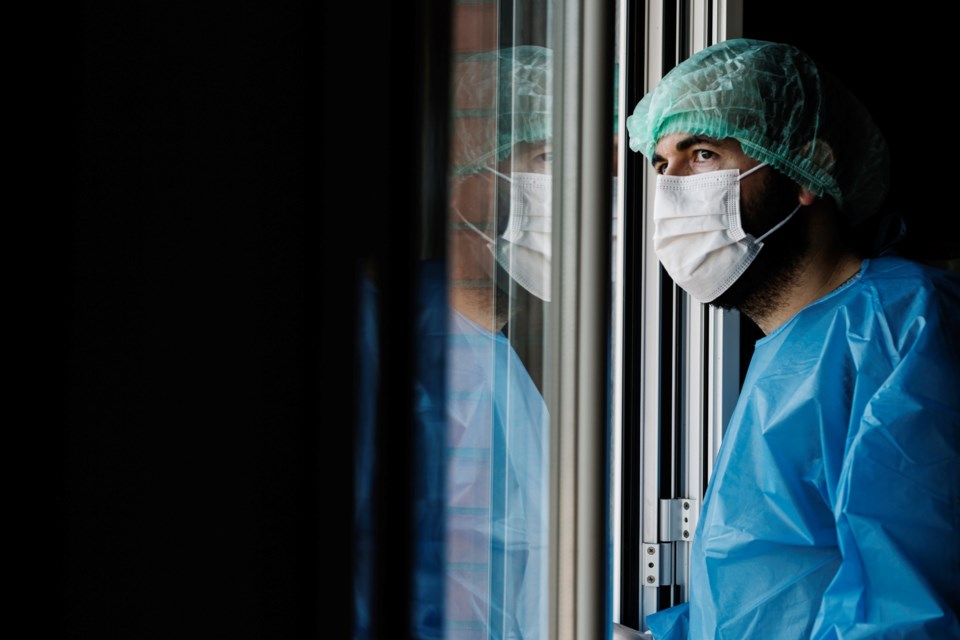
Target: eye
[
  {"x": 703, "y": 155},
  {"x": 660, "y": 168}
]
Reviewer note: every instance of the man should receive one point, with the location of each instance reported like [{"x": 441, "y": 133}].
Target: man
[{"x": 833, "y": 508}]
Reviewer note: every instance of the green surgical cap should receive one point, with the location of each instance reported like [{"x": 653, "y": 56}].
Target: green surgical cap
[
  {"x": 783, "y": 109},
  {"x": 500, "y": 98}
]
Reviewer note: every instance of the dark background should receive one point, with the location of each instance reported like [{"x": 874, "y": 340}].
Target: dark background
[
  {"x": 200, "y": 186},
  {"x": 190, "y": 429},
  {"x": 899, "y": 62}
]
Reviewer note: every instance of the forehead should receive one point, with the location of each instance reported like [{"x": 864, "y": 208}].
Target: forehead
[{"x": 530, "y": 149}]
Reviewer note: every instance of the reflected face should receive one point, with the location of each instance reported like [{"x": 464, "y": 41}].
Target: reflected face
[
  {"x": 483, "y": 200},
  {"x": 480, "y": 195},
  {"x": 529, "y": 157}
]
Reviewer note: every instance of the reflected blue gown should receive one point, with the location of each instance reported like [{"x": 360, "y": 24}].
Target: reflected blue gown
[
  {"x": 497, "y": 452},
  {"x": 480, "y": 511}
]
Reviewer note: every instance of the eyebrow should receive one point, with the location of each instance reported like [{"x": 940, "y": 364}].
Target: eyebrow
[{"x": 685, "y": 144}]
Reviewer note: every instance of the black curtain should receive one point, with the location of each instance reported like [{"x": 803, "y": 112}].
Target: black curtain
[
  {"x": 895, "y": 63},
  {"x": 191, "y": 454},
  {"x": 218, "y": 176}
]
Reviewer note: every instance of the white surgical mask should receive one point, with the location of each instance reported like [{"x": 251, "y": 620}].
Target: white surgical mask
[
  {"x": 524, "y": 247},
  {"x": 698, "y": 234}
]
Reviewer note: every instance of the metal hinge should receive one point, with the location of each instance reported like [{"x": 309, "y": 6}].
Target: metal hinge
[
  {"x": 657, "y": 564},
  {"x": 678, "y": 520}
]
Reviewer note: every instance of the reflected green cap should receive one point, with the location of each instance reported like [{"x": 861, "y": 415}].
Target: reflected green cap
[{"x": 501, "y": 98}]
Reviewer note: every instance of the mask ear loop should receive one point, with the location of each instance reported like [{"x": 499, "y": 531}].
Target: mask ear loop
[
  {"x": 509, "y": 181},
  {"x": 469, "y": 224},
  {"x": 780, "y": 224},
  {"x": 751, "y": 170},
  {"x": 473, "y": 227},
  {"x": 497, "y": 173}
]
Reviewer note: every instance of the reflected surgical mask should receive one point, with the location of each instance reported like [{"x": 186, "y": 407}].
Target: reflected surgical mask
[
  {"x": 524, "y": 247},
  {"x": 698, "y": 234}
]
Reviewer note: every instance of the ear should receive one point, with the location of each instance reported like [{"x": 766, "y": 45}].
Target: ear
[
  {"x": 807, "y": 197},
  {"x": 822, "y": 155}
]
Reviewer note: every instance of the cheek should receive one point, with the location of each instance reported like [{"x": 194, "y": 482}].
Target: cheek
[
  {"x": 761, "y": 208},
  {"x": 535, "y": 164},
  {"x": 542, "y": 166}
]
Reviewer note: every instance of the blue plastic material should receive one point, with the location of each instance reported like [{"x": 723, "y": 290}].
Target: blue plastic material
[
  {"x": 480, "y": 487},
  {"x": 833, "y": 509},
  {"x": 497, "y": 490}
]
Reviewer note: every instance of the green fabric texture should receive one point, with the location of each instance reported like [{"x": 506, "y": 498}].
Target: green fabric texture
[
  {"x": 513, "y": 89},
  {"x": 783, "y": 109}
]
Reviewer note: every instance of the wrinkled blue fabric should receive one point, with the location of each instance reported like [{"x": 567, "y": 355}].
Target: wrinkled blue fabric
[
  {"x": 670, "y": 624},
  {"x": 480, "y": 511},
  {"x": 429, "y": 450},
  {"x": 497, "y": 489},
  {"x": 833, "y": 509}
]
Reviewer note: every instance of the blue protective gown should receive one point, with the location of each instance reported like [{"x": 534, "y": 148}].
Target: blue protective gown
[
  {"x": 497, "y": 443},
  {"x": 480, "y": 495},
  {"x": 834, "y": 508}
]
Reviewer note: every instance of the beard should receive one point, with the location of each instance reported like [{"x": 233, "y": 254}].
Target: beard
[{"x": 762, "y": 287}]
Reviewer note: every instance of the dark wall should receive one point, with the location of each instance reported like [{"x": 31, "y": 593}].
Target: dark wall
[
  {"x": 190, "y": 416},
  {"x": 205, "y": 202},
  {"x": 211, "y": 182},
  {"x": 898, "y": 61}
]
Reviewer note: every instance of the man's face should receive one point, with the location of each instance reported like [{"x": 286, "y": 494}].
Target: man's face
[
  {"x": 766, "y": 197},
  {"x": 683, "y": 154}
]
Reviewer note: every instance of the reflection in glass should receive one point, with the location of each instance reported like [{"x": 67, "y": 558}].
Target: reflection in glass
[
  {"x": 482, "y": 438},
  {"x": 497, "y": 432}
]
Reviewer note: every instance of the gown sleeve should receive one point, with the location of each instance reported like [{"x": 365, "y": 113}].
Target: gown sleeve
[{"x": 670, "y": 624}]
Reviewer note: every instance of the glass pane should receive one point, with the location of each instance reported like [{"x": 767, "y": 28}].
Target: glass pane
[
  {"x": 498, "y": 261},
  {"x": 477, "y": 547}
]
